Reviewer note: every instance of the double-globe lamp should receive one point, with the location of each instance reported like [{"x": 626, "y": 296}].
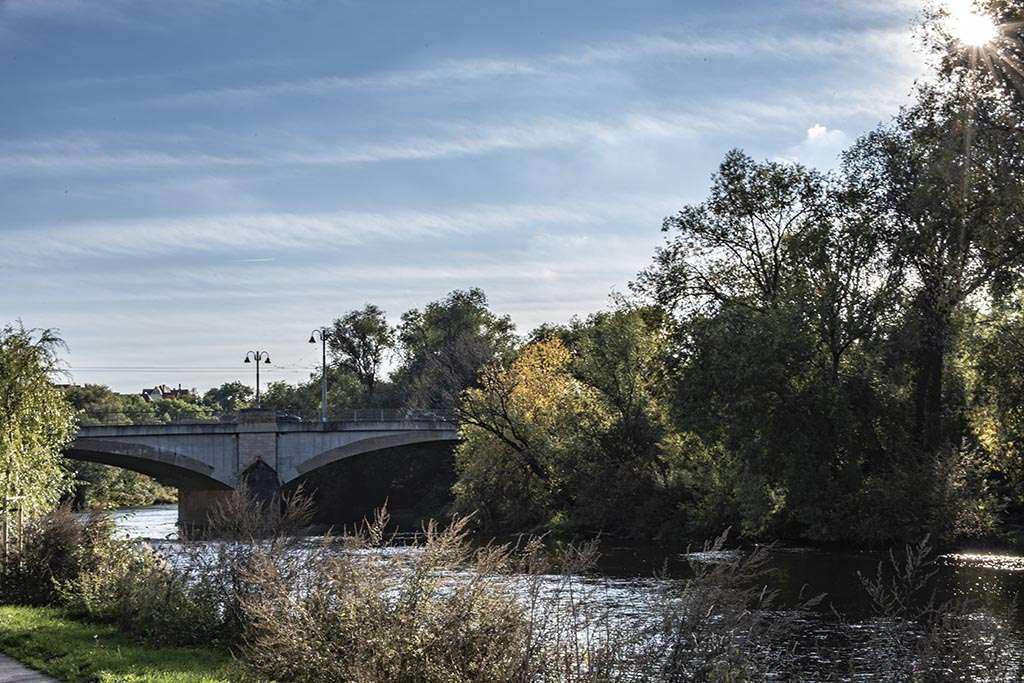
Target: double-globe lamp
[{"x": 259, "y": 357}]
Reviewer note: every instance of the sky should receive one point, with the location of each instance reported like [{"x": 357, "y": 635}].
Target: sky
[{"x": 181, "y": 182}]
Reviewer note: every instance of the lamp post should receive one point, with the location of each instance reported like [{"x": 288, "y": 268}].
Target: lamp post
[
  {"x": 258, "y": 356},
  {"x": 322, "y": 334}
]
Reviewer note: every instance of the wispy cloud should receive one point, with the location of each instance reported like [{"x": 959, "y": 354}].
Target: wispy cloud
[
  {"x": 892, "y": 46},
  {"x": 298, "y": 232},
  {"x": 452, "y": 71},
  {"x": 452, "y": 140},
  {"x": 75, "y": 10}
]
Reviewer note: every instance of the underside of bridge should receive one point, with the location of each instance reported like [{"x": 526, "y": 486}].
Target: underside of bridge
[
  {"x": 165, "y": 469},
  {"x": 413, "y": 481}
]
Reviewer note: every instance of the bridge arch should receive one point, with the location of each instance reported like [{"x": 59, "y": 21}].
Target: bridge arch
[
  {"x": 167, "y": 466},
  {"x": 369, "y": 445}
]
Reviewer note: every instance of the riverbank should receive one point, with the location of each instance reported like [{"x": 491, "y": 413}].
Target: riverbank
[{"x": 72, "y": 650}]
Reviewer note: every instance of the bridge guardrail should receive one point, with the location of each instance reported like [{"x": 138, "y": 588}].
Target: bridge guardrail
[{"x": 88, "y": 418}]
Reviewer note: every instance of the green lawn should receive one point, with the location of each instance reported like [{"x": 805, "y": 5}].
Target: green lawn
[{"x": 72, "y": 650}]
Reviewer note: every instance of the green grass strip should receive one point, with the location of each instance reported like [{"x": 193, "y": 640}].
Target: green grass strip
[{"x": 71, "y": 650}]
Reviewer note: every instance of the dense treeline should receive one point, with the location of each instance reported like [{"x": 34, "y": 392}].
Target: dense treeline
[{"x": 831, "y": 356}]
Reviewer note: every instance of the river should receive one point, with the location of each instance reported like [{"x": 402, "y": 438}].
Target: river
[{"x": 834, "y": 636}]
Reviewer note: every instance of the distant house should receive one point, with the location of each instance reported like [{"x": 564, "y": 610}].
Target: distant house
[
  {"x": 162, "y": 391},
  {"x": 151, "y": 395}
]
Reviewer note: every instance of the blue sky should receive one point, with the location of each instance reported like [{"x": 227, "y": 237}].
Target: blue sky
[{"x": 183, "y": 181}]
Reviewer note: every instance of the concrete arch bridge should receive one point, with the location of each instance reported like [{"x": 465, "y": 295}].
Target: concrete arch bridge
[{"x": 208, "y": 460}]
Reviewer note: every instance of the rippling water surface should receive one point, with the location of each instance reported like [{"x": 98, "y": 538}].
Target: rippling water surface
[{"x": 838, "y": 637}]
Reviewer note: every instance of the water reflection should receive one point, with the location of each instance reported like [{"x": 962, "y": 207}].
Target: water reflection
[
  {"x": 152, "y": 523},
  {"x": 990, "y": 561}
]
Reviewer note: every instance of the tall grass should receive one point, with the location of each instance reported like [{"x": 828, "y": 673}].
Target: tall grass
[
  {"x": 353, "y": 607},
  {"x": 918, "y": 636}
]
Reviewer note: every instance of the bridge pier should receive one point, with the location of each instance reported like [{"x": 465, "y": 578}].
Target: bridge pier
[
  {"x": 256, "y": 457},
  {"x": 196, "y": 505}
]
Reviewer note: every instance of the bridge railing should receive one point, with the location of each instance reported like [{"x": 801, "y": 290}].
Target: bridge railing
[
  {"x": 88, "y": 418},
  {"x": 374, "y": 415}
]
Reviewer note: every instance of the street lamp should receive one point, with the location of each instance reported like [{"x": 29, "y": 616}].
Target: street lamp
[
  {"x": 322, "y": 334},
  {"x": 257, "y": 356}
]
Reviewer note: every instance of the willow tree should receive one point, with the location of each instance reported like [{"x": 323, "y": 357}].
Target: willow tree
[{"x": 36, "y": 420}]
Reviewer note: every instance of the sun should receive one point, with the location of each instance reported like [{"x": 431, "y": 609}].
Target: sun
[{"x": 969, "y": 26}]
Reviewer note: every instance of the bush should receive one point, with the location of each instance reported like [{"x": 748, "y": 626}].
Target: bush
[
  {"x": 444, "y": 611},
  {"x": 55, "y": 548},
  {"x": 369, "y": 615},
  {"x": 721, "y": 624},
  {"x": 191, "y": 595}
]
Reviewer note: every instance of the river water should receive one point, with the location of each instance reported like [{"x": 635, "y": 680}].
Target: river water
[{"x": 832, "y": 637}]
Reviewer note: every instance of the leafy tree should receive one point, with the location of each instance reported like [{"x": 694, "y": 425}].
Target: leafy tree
[
  {"x": 103, "y": 486},
  {"x": 523, "y": 431},
  {"x": 737, "y": 246},
  {"x": 359, "y": 341},
  {"x": 569, "y": 433},
  {"x": 344, "y": 391},
  {"x": 947, "y": 171},
  {"x": 180, "y": 410},
  {"x": 995, "y": 351},
  {"x": 36, "y": 420},
  {"x": 849, "y": 278},
  {"x": 445, "y": 345},
  {"x": 229, "y": 397},
  {"x": 774, "y": 283},
  {"x": 995, "y": 67},
  {"x": 621, "y": 354},
  {"x": 99, "y": 404}
]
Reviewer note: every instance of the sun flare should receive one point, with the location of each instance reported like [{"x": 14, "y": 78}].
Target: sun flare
[{"x": 969, "y": 26}]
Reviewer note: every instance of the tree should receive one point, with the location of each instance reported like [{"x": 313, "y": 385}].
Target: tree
[
  {"x": 621, "y": 354},
  {"x": 358, "y": 342},
  {"x": 103, "y": 486},
  {"x": 996, "y": 386},
  {"x": 569, "y": 433},
  {"x": 772, "y": 283},
  {"x": 737, "y": 246},
  {"x": 36, "y": 420},
  {"x": 523, "y": 431},
  {"x": 995, "y": 66},
  {"x": 99, "y": 404},
  {"x": 343, "y": 391},
  {"x": 229, "y": 397},
  {"x": 950, "y": 173},
  {"x": 445, "y": 345},
  {"x": 179, "y": 410},
  {"x": 848, "y": 278}
]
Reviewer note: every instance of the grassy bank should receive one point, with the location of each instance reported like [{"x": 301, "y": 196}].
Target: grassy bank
[{"x": 72, "y": 650}]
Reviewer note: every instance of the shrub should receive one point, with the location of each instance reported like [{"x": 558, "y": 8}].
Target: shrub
[
  {"x": 369, "y": 615},
  {"x": 191, "y": 594},
  {"x": 55, "y": 548}
]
